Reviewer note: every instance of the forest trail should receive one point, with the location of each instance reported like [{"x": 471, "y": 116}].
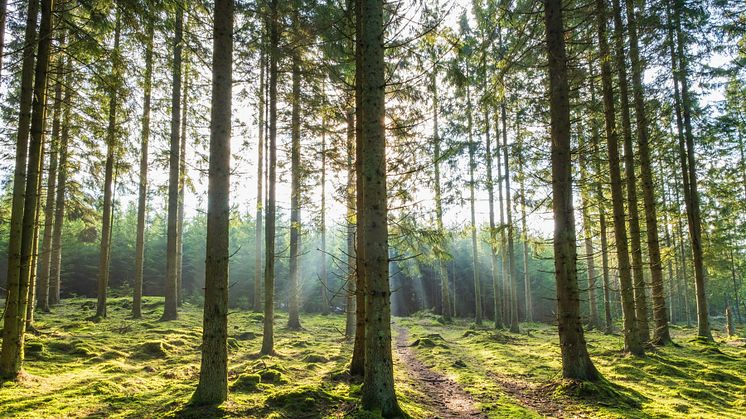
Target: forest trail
[{"x": 441, "y": 395}]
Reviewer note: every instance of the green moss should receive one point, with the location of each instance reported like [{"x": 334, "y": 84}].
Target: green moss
[
  {"x": 314, "y": 359},
  {"x": 246, "y": 382},
  {"x": 305, "y": 401},
  {"x": 154, "y": 349},
  {"x": 273, "y": 376}
]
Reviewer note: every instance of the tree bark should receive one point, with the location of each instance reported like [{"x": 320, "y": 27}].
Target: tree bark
[
  {"x": 45, "y": 256},
  {"x": 143, "y": 182},
  {"x": 524, "y": 226},
  {"x": 11, "y": 358},
  {"x": 213, "y": 376},
  {"x": 378, "y": 386},
  {"x": 576, "y": 363},
  {"x": 295, "y": 221},
  {"x": 111, "y": 146},
  {"x": 494, "y": 265},
  {"x": 269, "y": 232},
  {"x": 661, "y": 334},
  {"x": 59, "y": 207},
  {"x": 692, "y": 197},
  {"x": 472, "y": 203},
  {"x": 259, "y": 183},
  {"x": 324, "y": 274},
  {"x": 509, "y": 212},
  {"x": 641, "y": 306},
  {"x": 350, "y": 305},
  {"x": 174, "y": 164},
  {"x": 632, "y": 341}
]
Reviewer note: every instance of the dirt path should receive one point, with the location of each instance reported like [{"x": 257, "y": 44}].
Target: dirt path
[{"x": 441, "y": 395}]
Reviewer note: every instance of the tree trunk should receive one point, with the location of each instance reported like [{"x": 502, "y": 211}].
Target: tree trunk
[
  {"x": 596, "y": 153},
  {"x": 472, "y": 201},
  {"x": 661, "y": 334},
  {"x": 182, "y": 188},
  {"x": 691, "y": 195},
  {"x": 524, "y": 226},
  {"x": 45, "y": 256},
  {"x": 59, "y": 207},
  {"x": 576, "y": 363},
  {"x": 378, "y": 387},
  {"x": 632, "y": 341},
  {"x": 169, "y": 287},
  {"x": 11, "y": 358},
  {"x": 641, "y": 306},
  {"x": 295, "y": 221},
  {"x": 143, "y": 184},
  {"x": 509, "y": 212},
  {"x": 259, "y": 183},
  {"x": 494, "y": 265},
  {"x": 268, "y": 340},
  {"x": 357, "y": 364},
  {"x": 503, "y": 262},
  {"x": 587, "y": 233},
  {"x": 3, "y": 19},
  {"x": 213, "y": 375},
  {"x": 350, "y": 195},
  {"x": 111, "y": 146},
  {"x": 324, "y": 274}
]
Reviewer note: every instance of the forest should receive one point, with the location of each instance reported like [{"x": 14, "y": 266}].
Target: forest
[{"x": 369, "y": 208}]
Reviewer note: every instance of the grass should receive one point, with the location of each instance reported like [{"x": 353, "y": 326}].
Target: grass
[
  {"x": 122, "y": 367},
  {"x": 694, "y": 379}
]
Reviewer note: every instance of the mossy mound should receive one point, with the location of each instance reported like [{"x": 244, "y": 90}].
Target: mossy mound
[
  {"x": 304, "y": 401},
  {"x": 154, "y": 349},
  {"x": 35, "y": 349},
  {"x": 273, "y": 376},
  {"x": 315, "y": 359},
  {"x": 427, "y": 342},
  {"x": 246, "y": 336},
  {"x": 665, "y": 370},
  {"x": 721, "y": 377},
  {"x": 601, "y": 393},
  {"x": 246, "y": 382}
]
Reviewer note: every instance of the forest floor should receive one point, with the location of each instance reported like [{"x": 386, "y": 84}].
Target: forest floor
[{"x": 123, "y": 367}]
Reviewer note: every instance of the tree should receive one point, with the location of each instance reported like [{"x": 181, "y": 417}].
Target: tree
[
  {"x": 632, "y": 342},
  {"x": 19, "y": 284},
  {"x": 576, "y": 363},
  {"x": 143, "y": 178},
  {"x": 269, "y": 232},
  {"x": 295, "y": 222},
  {"x": 661, "y": 334},
  {"x": 378, "y": 387},
  {"x": 111, "y": 146},
  {"x": 259, "y": 179},
  {"x": 213, "y": 373},
  {"x": 174, "y": 178}
]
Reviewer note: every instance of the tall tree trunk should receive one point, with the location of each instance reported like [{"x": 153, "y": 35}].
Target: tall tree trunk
[
  {"x": 661, "y": 334},
  {"x": 324, "y": 274},
  {"x": 494, "y": 265},
  {"x": 691, "y": 194},
  {"x": 45, "y": 256},
  {"x": 182, "y": 188},
  {"x": 295, "y": 221},
  {"x": 350, "y": 195},
  {"x": 111, "y": 146},
  {"x": 378, "y": 386},
  {"x": 268, "y": 340},
  {"x": 588, "y": 233},
  {"x": 11, "y": 358},
  {"x": 600, "y": 203},
  {"x": 524, "y": 225},
  {"x": 357, "y": 364},
  {"x": 174, "y": 164},
  {"x": 509, "y": 212},
  {"x": 632, "y": 341},
  {"x": 445, "y": 299},
  {"x": 503, "y": 240},
  {"x": 576, "y": 363},
  {"x": 143, "y": 182},
  {"x": 472, "y": 203},
  {"x": 59, "y": 207},
  {"x": 641, "y": 306},
  {"x": 259, "y": 183},
  {"x": 213, "y": 374}
]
